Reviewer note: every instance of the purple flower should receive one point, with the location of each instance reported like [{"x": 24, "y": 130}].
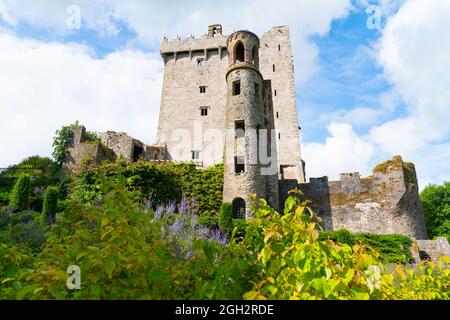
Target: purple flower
[
  {"x": 159, "y": 212},
  {"x": 170, "y": 208},
  {"x": 176, "y": 227},
  {"x": 219, "y": 236},
  {"x": 184, "y": 205},
  {"x": 149, "y": 203},
  {"x": 202, "y": 232},
  {"x": 193, "y": 206}
]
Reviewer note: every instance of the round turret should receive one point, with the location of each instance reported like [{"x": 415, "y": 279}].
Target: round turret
[{"x": 243, "y": 49}]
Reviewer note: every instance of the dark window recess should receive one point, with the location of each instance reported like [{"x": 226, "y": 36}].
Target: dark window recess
[
  {"x": 239, "y": 165},
  {"x": 240, "y": 52},
  {"x": 236, "y": 88},
  {"x": 239, "y": 208},
  {"x": 273, "y": 68},
  {"x": 278, "y": 116},
  {"x": 275, "y": 92},
  {"x": 202, "y": 89},
  {"x": 201, "y": 63},
  {"x": 195, "y": 154},
  {"x": 239, "y": 128},
  {"x": 256, "y": 89},
  {"x": 279, "y": 136},
  {"x": 279, "y": 47},
  {"x": 138, "y": 152},
  {"x": 204, "y": 111}
]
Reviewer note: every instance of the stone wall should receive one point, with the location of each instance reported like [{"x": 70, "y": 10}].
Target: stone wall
[
  {"x": 433, "y": 249},
  {"x": 112, "y": 145},
  {"x": 385, "y": 203},
  {"x": 183, "y": 129},
  {"x": 80, "y": 150}
]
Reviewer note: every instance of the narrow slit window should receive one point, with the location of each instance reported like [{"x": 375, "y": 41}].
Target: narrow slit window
[
  {"x": 275, "y": 92},
  {"x": 236, "y": 88},
  {"x": 256, "y": 89},
  {"x": 204, "y": 111},
  {"x": 202, "y": 89},
  {"x": 239, "y": 165},
  {"x": 195, "y": 154},
  {"x": 239, "y": 128},
  {"x": 279, "y": 47},
  {"x": 278, "y": 116},
  {"x": 279, "y": 136},
  {"x": 273, "y": 68}
]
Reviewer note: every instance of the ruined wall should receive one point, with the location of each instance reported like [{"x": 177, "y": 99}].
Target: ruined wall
[
  {"x": 385, "y": 203},
  {"x": 433, "y": 249},
  {"x": 80, "y": 150}
]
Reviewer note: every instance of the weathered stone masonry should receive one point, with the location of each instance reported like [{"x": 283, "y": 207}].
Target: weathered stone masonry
[{"x": 242, "y": 83}]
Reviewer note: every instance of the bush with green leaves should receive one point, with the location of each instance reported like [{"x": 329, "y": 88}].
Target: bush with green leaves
[
  {"x": 160, "y": 182},
  {"x": 126, "y": 251},
  {"x": 392, "y": 248},
  {"x": 50, "y": 206},
  {"x": 20, "y": 195},
  {"x": 296, "y": 264},
  {"x": 64, "y": 137},
  {"x": 226, "y": 218},
  {"x": 436, "y": 206}
]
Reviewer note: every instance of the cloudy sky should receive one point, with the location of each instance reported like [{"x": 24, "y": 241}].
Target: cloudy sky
[{"x": 367, "y": 88}]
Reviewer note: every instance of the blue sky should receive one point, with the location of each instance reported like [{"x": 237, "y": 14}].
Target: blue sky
[{"x": 364, "y": 95}]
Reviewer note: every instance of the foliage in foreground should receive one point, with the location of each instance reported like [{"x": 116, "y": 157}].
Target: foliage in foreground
[
  {"x": 436, "y": 206},
  {"x": 296, "y": 264},
  {"x": 392, "y": 248},
  {"x": 127, "y": 250},
  {"x": 20, "y": 195},
  {"x": 161, "y": 183}
]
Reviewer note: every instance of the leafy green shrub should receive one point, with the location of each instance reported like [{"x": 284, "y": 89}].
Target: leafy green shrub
[
  {"x": 436, "y": 206},
  {"x": 124, "y": 253},
  {"x": 20, "y": 195},
  {"x": 160, "y": 182},
  {"x": 296, "y": 264},
  {"x": 50, "y": 206},
  {"x": 22, "y": 229},
  {"x": 63, "y": 138},
  {"x": 392, "y": 248},
  {"x": 239, "y": 228},
  {"x": 226, "y": 218}
]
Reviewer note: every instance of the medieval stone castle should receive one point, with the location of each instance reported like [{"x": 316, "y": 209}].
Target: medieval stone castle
[{"x": 232, "y": 99}]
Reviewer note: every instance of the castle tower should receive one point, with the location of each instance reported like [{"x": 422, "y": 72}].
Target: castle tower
[{"x": 248, "y": 116}]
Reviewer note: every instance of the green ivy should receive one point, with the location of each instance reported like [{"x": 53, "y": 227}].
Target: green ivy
[
  {"x": 50, "y": 205},
  {"x": 226, "y": 218},
  {"x": 20, "y": 196},
  {"x": 160, "y": 182},
  {"x": 392, "y": 248}
]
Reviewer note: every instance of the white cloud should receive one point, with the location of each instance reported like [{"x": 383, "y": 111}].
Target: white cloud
[
  {"x": 4, "y": 14},
  {"x": 46, "y": 85},
  {"x": 360, "y": 117},
  {"x": 153, "y": 19},
  {"x": 343, "y": 151}
]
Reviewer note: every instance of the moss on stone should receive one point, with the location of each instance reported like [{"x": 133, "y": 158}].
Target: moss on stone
[
  {"x": 395, "y": 163},
  {"x": 409, "y": 171}
]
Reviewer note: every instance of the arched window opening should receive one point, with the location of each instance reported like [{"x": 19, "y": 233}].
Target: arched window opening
[
  {"x": 255, "y": 56},
  {"x": 239, "y": 208},
  {"x": 240, "y": 52}
]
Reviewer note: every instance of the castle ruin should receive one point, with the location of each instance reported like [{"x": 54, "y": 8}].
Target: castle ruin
[{"x": 232, "y": 99}]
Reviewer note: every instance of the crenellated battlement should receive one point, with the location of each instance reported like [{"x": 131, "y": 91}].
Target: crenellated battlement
[{"x": 213, "y": 40}]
